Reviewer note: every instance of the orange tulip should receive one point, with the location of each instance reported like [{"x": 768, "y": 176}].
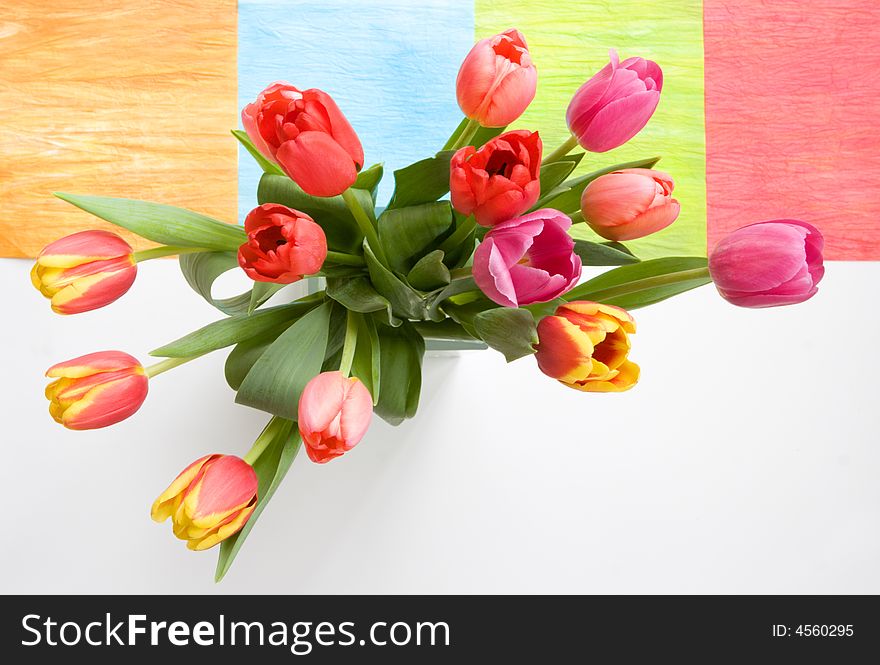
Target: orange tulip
[{"x": 585, "y": 346}]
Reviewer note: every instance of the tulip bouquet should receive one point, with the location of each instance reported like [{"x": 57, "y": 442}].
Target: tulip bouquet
[{"x": 494, "y": 264}]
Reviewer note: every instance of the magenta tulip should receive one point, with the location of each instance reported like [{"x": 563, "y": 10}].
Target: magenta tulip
[
  {"x": 769, "y": 263},
  {"x": 614, "y": 105},
  {"x": 527, "y": 259}
]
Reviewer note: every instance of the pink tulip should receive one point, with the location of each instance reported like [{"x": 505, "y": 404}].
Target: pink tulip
[
  {"x": 334, "y": 414},
  {"x": 283, "y": 245},
  {"x": 629, "y": 204},
  {"x": 614, "y": 105},
  {"x": 527, "y": 259},
  {"x": 305, "y": 133},
  {"x": 769, "y": 263},
  {"x": 500, "y": 180},
  {"x": 497, "y": 80}
]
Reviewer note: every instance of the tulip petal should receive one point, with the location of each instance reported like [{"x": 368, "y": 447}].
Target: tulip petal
[
  {"x": 615, "y": 124},
  {"x": 162, "y": 506},
  {"x": 317, "y": 163}
]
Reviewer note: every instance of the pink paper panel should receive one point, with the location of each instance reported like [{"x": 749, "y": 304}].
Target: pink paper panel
[{"x": 792, "y": 129}]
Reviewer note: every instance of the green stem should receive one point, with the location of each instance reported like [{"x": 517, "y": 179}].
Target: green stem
[
  {"x": 344, "y": 259},
  {"x": 266, "y": 437},
  {"x": 458, "y": 236},
  {"x": 365, "y": 224},
  {"x": 467, "y": 134},
  {"x": 561, "y": 151},
  {"x": 577, "y": 217},
  {"x": 165, "y": 365},
  {"x": 350, "y": 343},
  {"x": 166, "y": 250},
  {"x": 648, "y": 283}
]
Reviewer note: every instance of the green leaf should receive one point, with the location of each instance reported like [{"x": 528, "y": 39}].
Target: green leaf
[
  {"x": 226, "y": 332},
  {"x": 401, "y": 352},
  {"x": 369, "y": 179},
  {"x": 406, "y": 302},
  {"x": 265, "y": 164},
  {"x": 246, "y": 353},
  {"x": 358, "y": 295},
  {"x": 271, "y": 467},
  {"x": 603, "y": 254},
  {"x": 277, "y": 379},
  {"x": 261, "y": 292},
  {"x": 429, "y": 273},
  {"x": 567, "y": 197},
  {"x": 202, "y": 269},
  {"x": 425, "y": 181},
  {"x": 367, "y": 356},
  {"x": 509, "y": 330},
  {"x": 644, "y": 283},
  {"x": 447, "y": 330},
  {"x": 456, "y": 286},
  {"x": 341, "y": 229},
  {"x": 407, "y": 234},
  {"x": 553, "y": 174},
  {"x": 161, "y": 223}
]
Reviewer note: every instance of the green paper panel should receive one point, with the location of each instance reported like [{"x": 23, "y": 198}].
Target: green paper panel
[{"x": 569, "y": 43}]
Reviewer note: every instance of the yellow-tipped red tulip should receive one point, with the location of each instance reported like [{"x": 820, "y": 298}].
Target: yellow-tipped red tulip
[
  {"x": 585, "y": 345},
  {"x": 96, "y": 390},
  {"x": 84, "y": 271},
  {"x": 209, "y": 501}
]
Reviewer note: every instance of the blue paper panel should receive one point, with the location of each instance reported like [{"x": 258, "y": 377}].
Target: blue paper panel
[{"x": 390, "y": 65}]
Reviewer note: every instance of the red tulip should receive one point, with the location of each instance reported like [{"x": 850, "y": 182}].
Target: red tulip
[
  {"x": 209, "y": 501},
  {"x": 527, "y": 259},
  {"x": 84, "y": 271},
  {"x": 769, "y": 263},
  {"x": 283, "y": 245},
  {"x": 497, "y": 80},
  {"x": 305, "y": 133},
  {"x": 500, "y": 180},
  {"x": 96, "y": 390},
  {"x": 334, "y": 414},
  {"x": 629, "y": 204},
  {"x": 614, "y": 105}
]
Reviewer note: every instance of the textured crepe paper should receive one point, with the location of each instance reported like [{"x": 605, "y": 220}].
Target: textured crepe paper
[
  {"x": 130, "y": 98},
  {"x": 791, "y": 106},
  {"x": 570, "y": 41},
  {"x": 389, "y": 64}
]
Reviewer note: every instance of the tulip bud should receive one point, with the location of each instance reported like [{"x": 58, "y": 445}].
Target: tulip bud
[
  {"x": 497, "y": 80},
  {"x": 305, "y": 133},
  {"x": 283, "y": 245},
  {"x": 585, "y": 346},
  {"x": 334, "y": 414},
  {"x": 527, "y": 259},
  {"x": 209, "y": 501},
  {"x": 84, "y": 271},
  {"x": 769, "y": 263},
  {"x": 614, "y": 105},
  {"x": 96, "y": 390},
  {"x": 500, "y": 180},
  {"x": 629, "y": 204}
]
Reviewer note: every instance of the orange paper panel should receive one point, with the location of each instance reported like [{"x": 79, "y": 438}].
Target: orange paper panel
[
  {"x": 791, "y": 118},
  {"x": 129, "y": 98}
]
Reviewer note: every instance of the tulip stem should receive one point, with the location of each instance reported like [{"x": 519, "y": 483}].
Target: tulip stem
[
  {"x": 165, "y": 365},
  {"x": 467, "y": 134},
  {"x": 344, "y": 259},
  {"x": 459, "y": 235},
  {"x": 365, "y": 224},
  {"x": 561, "y": 151},
  {"x": 267, "y": 436},
  {"x": 350, "y": 343},
  {"x": 166, "y": 250}
]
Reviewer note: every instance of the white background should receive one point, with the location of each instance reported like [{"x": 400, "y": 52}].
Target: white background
[{"x": 746, "y": 460}]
